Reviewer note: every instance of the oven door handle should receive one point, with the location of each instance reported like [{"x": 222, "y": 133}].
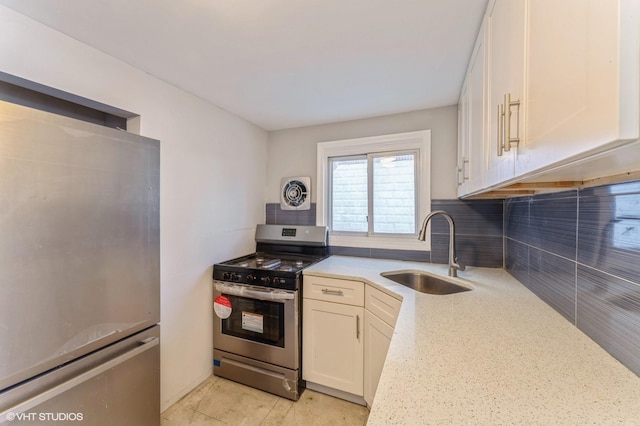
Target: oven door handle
[{"x": 252, "y": 293}]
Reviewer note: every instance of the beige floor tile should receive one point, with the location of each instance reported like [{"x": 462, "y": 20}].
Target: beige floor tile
[
  {"x": 218, "y": 401},
  {"x": 278, "y": 414},
  {"x": 231, "y": 402},
  {"x": 204, "y": 390},
  {"x": 314, "y": 408},
  {"x": 178, "y": 415}
]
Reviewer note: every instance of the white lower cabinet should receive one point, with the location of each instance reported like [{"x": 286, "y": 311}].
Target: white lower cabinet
[
  {"x": 377, "y": 338},
  {"x": 332, "y": 353},
  {"x": 346, "y": 332}
]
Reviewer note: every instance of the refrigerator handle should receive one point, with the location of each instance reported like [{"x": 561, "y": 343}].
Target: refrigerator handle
[{"x": 81, "y": 378}]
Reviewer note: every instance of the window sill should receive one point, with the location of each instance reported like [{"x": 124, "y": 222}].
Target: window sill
[{"x": 380, "y": 242}]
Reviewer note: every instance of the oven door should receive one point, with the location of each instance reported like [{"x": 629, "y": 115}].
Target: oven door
[{"x": 263, "y": 324}]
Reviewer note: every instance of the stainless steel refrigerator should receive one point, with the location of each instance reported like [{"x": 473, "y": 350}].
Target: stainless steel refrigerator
[{"x": 79, "y": 272}]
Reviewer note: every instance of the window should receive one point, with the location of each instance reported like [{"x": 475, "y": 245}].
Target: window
[
  {"x": 372, "y": 190},
  {"x": 386, "y": 203}
]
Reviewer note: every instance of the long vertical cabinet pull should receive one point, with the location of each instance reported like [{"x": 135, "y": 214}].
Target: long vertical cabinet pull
[
  {"x": 508, "y": 140},
  {"x": 500, "y": 129},
  {"x": 462, "y": 172},
  {"x": 504, "y": 125},
  {"x": 358, "y": 327}
]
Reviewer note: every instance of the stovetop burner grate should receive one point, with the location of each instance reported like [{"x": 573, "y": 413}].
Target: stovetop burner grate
[{"x": 282, "y": 252}]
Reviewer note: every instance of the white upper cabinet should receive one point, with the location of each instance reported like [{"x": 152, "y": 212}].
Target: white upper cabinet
[
  {"x": 474, "y": 173},
  {"x": 471, "y": 121},
  {"x": 557, "y": 83},
  {"x": 463, "y": 140},
  {"x": 505, "y": 55},
  {"x": 582, "y": 79}
]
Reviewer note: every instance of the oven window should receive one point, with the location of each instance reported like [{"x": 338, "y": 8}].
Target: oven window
[{"x": 256, "y": 320}]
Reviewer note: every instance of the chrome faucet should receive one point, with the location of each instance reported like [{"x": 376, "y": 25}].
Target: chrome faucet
[{"x": 454, "y": 265}]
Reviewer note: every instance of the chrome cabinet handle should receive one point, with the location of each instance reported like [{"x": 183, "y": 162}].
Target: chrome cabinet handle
[
  {"x": 462, "y": 175},
  {"x": 508, "y": 140},
  {"x": 500, "y": 129},
  {"x": 332, "y": 292},
  {"x": 358, "y": 327}
]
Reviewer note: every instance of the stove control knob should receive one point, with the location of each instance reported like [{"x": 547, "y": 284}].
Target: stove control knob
[
  {"x": 226, "y": 276},
  {"x": 265, "y": 280},
  {"x": 234, "y": 276},
  {"x": 250, "y": 279}
]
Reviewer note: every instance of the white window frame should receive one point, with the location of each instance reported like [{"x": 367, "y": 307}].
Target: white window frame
[{"x": 419, "y": 141}]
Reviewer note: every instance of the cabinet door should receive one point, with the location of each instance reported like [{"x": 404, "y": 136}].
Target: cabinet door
[
  {"x": 463, "y": 140},
  {"x": 332, "y": 349},
  {"x": 506, "y": 29},
  {"x": 582, "y": 79},
  {"x": 477, "y": 84},
  {"x": 377, "y": 337}
]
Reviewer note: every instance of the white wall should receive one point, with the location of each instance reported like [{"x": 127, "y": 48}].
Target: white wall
[
  {"x": 292, "y": 152},
  {"x": 209, "y": 205}
]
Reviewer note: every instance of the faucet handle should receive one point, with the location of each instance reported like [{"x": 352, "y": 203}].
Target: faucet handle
[{"x": 459, "y": 266}]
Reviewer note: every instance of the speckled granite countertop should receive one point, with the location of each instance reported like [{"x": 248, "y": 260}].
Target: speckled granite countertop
[{"x": 492, "y": 356}]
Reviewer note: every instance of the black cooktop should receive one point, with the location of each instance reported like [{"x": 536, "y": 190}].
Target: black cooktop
[{"x": 277, "y": 270}]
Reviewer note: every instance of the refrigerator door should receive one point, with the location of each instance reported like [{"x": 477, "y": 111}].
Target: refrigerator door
[
  {"x": 79, "y": 239},
  {"x": 117, "y": 385}
]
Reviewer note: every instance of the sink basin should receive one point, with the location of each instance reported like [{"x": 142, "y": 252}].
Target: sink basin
[{"x": 424, "y": 283}]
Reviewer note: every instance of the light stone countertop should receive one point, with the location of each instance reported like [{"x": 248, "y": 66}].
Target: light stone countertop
[{"x": 492, "y": 356}]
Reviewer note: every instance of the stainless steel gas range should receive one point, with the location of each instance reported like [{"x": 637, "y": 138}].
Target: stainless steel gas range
[{"x": 257, "y": 323}]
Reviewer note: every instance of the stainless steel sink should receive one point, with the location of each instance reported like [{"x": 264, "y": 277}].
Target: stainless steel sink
[{"x": 424, "y": 283}]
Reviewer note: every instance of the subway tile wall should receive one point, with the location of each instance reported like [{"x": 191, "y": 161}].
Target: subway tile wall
[{"x": 579, "y": 251}]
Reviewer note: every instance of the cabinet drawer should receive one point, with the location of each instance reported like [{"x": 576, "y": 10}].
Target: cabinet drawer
[
  {"x": 333, "y": 290},
  {"x": 382, "y": 305}
]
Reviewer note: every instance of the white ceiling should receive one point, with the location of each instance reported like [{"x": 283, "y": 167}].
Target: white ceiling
[{"x": 284, "y": 63}]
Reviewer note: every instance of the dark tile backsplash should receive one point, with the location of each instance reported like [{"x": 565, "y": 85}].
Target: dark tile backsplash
[
  {"x": 517, "y": 227},
  {"x": 276, "y": 216},
  {"x": 479, "y": 239},
  {"x": 579, "y": 251},
  {"x": 411, "y": 255},
  {"x": 516, "y": 260},
  {"x": 553, "y": 279},
  {"x": 608, "y": 310},
  {"x": 479, "y": 229},
  {"x": 552, "y": 224},
  {"x": 471, "y": 250},
  {"x": 610, "y": 233}
]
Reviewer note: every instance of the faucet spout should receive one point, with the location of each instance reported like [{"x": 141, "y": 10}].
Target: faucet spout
[{"x": 454, "y": 265}]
